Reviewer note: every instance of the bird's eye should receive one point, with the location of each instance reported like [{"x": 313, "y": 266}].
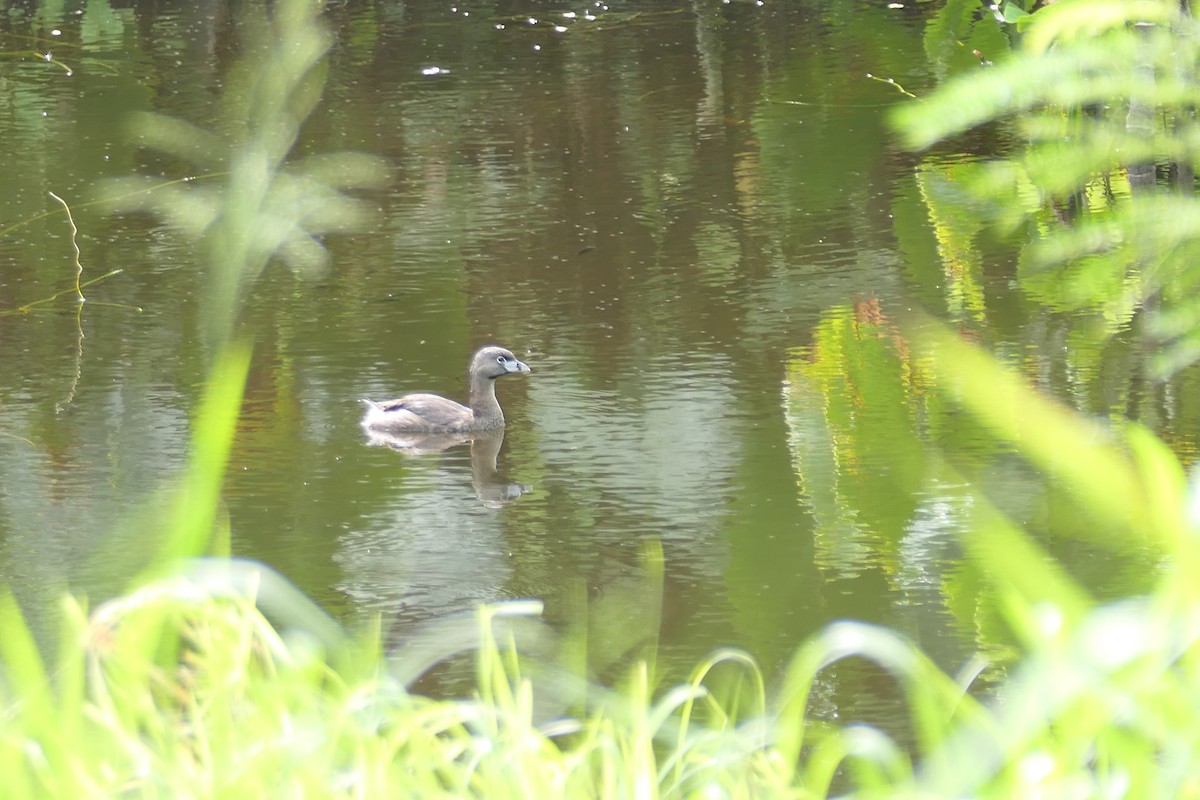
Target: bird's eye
[{"x": 501, "y": 359}]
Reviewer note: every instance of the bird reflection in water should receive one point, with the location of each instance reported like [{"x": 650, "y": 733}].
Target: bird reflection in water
[{"x": 490, "y": 487}]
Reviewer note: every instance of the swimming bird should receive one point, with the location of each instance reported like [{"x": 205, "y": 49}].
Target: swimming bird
[{"x": 431, "y": 413}]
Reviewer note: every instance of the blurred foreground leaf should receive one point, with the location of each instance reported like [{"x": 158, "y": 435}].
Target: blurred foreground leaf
[
  {"x": 247, "y": 202},
  {"x": 1101, "y": 95}
]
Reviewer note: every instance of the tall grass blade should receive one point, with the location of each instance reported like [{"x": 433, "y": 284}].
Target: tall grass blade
[{"x": 189, "y": 528}]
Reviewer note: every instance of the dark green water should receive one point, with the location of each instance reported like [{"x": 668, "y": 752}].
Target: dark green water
[{"x": 690, "y": 220}]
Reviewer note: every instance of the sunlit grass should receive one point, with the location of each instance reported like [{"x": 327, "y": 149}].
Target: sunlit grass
[
  {"x": 184, "y": 688},
  {"x": 174, "y": 691}
]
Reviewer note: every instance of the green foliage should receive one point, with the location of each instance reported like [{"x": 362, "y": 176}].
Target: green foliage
[
  {"x": 1104, "y": 93},
  {"x": 174, "y": 691},
  {"x": 1089, "y": 705},
  {"x": 248, "y": 202},
  {"x": 1087, "y": 709},
  {"x": 182, "y": 687},
  {"x": 958, "y": 31}
]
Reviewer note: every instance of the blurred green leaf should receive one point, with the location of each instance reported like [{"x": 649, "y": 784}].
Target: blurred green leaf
[
  {"x": 191, "y": 526},
  {"x": 1013, "y": 12},
  {"x": 959, "y": 28},
  {"x": 1081, "y": 454},
  {"x": 1069, "y": 21},
  {"x": 252, "y": 204},
  {"x": 1103, "y": 91}
]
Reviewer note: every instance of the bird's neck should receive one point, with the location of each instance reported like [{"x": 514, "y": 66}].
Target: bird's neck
[{"x": 484, "y": 405}]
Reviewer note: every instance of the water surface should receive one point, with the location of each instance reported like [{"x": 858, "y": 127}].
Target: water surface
[{"x": 690, "y": 219}]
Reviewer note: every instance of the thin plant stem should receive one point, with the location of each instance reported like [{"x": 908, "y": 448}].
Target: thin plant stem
[
  {"x": 79, "y": 284},
  {"x": 18, "y": 438},
  {"x": 892, "y": 82},
  {"x": 25, "y": 309},
  {"x": 79, "y": 337},
  {"x": 74, "y": 246},
  {"x": 47, "y": 57}
]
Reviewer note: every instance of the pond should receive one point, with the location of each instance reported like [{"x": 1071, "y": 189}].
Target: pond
[{"x": 690, "y": 219}]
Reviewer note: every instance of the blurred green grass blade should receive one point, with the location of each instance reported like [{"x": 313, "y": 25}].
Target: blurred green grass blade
[
  {"x": 24, "y": 670},
  {"x": 1027, "y": 577},
  {"x": 278, "y": 599},
  {"x": 1164, "y": 487},
  {"x": 70, "y": 680},
  {"x": 1080, "y": 20},
  {"x": 189, "y": 530},
  {"x": 933, "y": 697},
  {"x": 1080, "y": 454},
  {"x": 30, "y": 714}
]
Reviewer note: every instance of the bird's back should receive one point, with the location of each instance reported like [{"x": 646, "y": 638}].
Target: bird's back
[{"x": 429, "y": 413}]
